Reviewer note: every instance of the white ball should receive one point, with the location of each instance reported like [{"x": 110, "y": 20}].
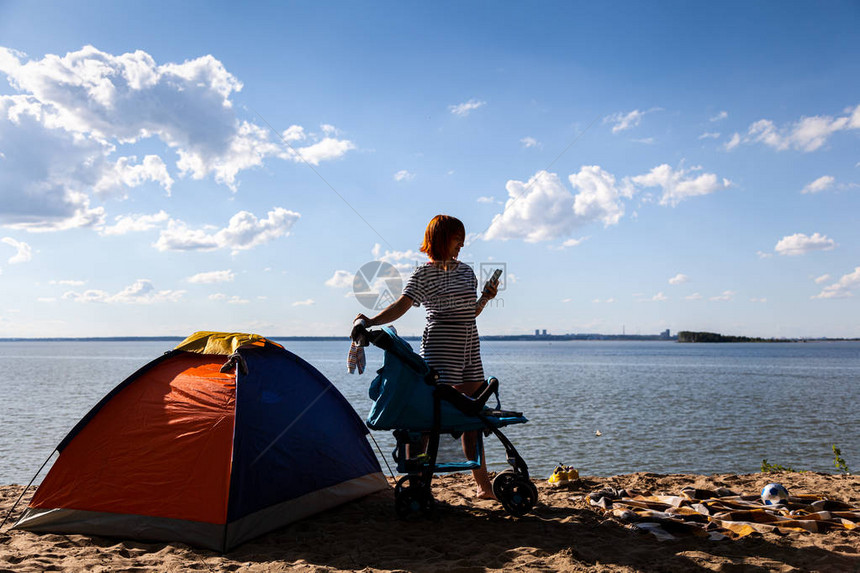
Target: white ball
[{"x": 774, "y": 494}]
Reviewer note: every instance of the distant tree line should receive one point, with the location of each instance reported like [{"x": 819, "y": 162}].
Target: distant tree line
[{"x": 687, "y": 336}]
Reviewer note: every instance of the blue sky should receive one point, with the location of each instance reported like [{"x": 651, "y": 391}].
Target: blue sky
[{"x": 633, "y": 166}]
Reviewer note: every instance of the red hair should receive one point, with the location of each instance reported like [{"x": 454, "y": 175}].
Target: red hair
[{"x": 440, "y": 230}]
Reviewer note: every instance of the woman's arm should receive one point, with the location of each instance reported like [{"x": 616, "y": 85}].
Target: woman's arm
[{"x": 394, "y": 311}]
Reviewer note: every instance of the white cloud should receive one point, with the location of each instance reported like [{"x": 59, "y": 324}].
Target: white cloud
[
  {"x": 761, "y": 300},
  {"x": 720, "y": 116},
  {"x": 134, "y": 223},
  {"x": 822, "y": 279},
  {"x": 679, "y": 279},
  {"x": 294, "y": 133},
  {"x": 733, "y": 142},
  {"x": 470, "y": 238},
  {"x": 46, "y": 170},
  {"x": 465, "y": 108},
  {"x": 544, "y": 209},
  {"x": 822, "y": 183},
  {"x": 23, "y": 251},
  {"x": 124, "y": 174},
  {"x": 324, "y": 150},
  {"x": 404, "y": 261},
  {"x": 679, "y": 185},
  {"x": 68, "y": 282},
  {"x": 800, "y": 244},
  {"x": 60, "y": 133},
  {"x": 235, "y": 299},
  {"x": 763, "y": 255},
  {"x": 244, "y": 231},
  {"x": 659, "y": 297},
  {"x": 726, "y": 296},
  {"x": 710, "y": 135},
  {"x": 573, "y": 242},
  {"x": 530, "y": 142},
  {"x": 102, "y": 97},
  {"x": 598, "y": 198},
  {"x": 539, "y": 210},
  {"x": 141, "y": 291},
  {"x": 624, "y": 121},
  {"x": 341, "y": 279},
  {"x": 306, "y": 302},
  {"x": 694, "y": 296},
  {"x": 806, "y": 134},
  {"x": 212, "y": 277},
  {"x": 486, "y": 200},
  {"x": 645, "y": 140},
  {"x": 404, "y": 175},
  {"x": 843, "y": 288}
]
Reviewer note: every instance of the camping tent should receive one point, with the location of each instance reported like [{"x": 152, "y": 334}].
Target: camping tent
[{"x": 196, "y": 450}]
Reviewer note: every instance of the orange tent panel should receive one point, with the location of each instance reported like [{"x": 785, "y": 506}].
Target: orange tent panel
[{"x": 161, "y": 447}]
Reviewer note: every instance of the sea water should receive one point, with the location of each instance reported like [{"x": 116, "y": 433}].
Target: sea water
[{"x": 660, "y": 407}]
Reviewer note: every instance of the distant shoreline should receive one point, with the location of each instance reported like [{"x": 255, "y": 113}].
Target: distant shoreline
[{"x": 510, "y": 338}]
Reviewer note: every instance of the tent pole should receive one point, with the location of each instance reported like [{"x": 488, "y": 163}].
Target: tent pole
[{"x": 20, "y": 497}]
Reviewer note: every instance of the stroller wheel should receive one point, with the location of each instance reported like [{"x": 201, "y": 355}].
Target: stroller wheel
[
  {"x": 516, "y": 493},
  {"x": 412, "y": 498}
]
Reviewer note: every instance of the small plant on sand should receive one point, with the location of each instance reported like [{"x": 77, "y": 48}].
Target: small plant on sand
[
  {"x": 839, "y": 461},
  {"x": 767, "y": 468}
]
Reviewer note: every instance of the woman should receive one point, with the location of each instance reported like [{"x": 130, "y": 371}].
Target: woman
[{"x": 447, "y": 289}]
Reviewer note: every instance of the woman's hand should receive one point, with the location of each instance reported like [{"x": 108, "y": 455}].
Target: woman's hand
[
  {"x": 359, "y": 330},
  {"x": 490, "y": 289},
  {"x": 391, "y": 313},
  {"x": 367, "y": 321},
  {"x": 487, "y": 294}
]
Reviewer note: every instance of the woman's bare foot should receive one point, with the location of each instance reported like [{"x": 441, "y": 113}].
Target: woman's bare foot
[{"x": 482, "y": 494}]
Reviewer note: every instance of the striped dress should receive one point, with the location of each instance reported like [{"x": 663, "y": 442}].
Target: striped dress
[{"x": 450, "y": 341}]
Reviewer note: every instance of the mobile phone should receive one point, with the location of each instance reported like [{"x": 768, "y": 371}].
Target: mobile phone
[{"x": 496, "y": 274}]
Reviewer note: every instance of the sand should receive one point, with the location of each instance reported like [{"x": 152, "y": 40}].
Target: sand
[{"x": 465, "y": 534}]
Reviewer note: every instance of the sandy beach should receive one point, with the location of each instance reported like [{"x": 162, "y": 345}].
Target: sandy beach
[{"x": 563, "y": 533}]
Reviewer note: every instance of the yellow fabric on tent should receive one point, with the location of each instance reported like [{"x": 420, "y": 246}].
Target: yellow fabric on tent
[{"x": 225, "y": 343}]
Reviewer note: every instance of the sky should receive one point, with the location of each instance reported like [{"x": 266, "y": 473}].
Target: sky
[{"x": 172, "y": 167}]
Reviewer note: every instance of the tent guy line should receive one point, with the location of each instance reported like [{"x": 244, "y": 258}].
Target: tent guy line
[{"x": 324, "y": 180}]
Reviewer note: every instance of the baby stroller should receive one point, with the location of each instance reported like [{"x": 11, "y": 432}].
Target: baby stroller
[{"x": 408, "y": 399}]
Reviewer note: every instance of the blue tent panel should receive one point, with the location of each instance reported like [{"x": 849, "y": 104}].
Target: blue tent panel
[{"x": 295, "y": 434}]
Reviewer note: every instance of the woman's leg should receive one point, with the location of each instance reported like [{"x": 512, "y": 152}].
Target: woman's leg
[{"x": 482, "y": 478}]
